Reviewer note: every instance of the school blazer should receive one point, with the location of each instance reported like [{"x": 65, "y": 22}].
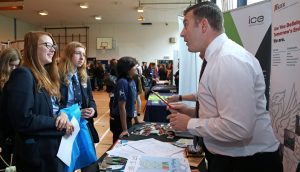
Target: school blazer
[
  {"x": 87, "y": 102},
  {"x": 29, "y": 110}
]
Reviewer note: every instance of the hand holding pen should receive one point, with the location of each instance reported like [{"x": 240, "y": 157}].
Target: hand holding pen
[{"x": 162, "y": 99}]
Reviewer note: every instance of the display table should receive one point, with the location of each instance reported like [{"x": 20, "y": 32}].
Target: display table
[
  {"x": 156, "y": 110},
  {"x": 162, "y": 138},
  {"x": 162, "y": 82},
  {"x": 164, "y": 88}
]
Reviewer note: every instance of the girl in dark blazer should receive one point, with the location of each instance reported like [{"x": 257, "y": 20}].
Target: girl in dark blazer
[
  {"x": 29, "y": 100},
  {"x": 72, "y": 68},
  {"x": 10, "y": 58}
]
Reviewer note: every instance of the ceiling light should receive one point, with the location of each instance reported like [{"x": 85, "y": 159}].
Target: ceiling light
[
  {"x": 43, "y": 12},
  {"x": 140, "y": 10},
  {"x": 84, "y": 5},
  {"x": 141, "y": 18},
  {"x": 98, "y": 18}
]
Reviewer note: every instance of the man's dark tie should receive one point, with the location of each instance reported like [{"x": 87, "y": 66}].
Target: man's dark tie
[
  {"x": 76, "y": 90},
  {"x": 201, "y": 73},
  {"x": 199, "y": 140}
]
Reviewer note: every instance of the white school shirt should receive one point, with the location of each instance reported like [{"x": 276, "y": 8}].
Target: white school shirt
[{"x": 233, "y": 120}]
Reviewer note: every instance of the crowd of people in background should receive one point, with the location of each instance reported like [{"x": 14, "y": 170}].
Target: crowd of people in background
[
  {"x": 99, "y": 73},
  {"x": 158, "y": 72},
  {"x": 96, "y": 73}
]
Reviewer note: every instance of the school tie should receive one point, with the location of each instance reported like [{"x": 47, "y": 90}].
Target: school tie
[
  {"x": 76, "y": 90},
  {"x": 199, "y": 140}
]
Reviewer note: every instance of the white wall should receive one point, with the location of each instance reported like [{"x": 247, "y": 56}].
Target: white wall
[
  {"x": 7, "y": 31},
  {"x": 23, "y": 28},
  {"x": 146, "y": 43},
  {"x": 6, "y": 28}
]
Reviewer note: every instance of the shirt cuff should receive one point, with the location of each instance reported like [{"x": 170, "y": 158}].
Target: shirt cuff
[
  {"x": 193, "y": 126},
  {"x": 196, "y": 96}
]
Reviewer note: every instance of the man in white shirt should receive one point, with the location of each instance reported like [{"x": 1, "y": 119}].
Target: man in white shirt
[{"x": 233, "y": 121}]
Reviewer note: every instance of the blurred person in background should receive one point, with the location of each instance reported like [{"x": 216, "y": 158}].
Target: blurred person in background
[
  {"x": 176, "y": 79},
  {"x": 91, "y": 73},
  {"x": 99, "y": 73},
  {"x": 10, "y": 59},
  {"x": 139, "y": 90},
  {"x": 111, "y": 81},
  {"x": 162, "y": 72}
]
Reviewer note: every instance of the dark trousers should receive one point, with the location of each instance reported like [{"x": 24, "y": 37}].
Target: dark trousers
[
  {"x": 259, "y": 162},
  {"x": 116, "y": 126},
  {"x": 93, "y": 83},
  {"x": 100, "y": 83},
  {"x": 111, "y": 104}
]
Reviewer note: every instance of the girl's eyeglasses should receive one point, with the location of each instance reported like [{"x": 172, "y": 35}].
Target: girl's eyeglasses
[{"x": 49, "y": 45}]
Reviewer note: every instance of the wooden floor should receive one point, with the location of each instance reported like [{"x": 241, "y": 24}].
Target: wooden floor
[{"x": 102, "y": 121}]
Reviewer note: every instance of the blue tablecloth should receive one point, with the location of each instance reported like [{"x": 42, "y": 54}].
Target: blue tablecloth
[{"x": 156, "y": 110}]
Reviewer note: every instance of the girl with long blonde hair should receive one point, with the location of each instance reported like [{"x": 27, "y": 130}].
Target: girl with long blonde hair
[
  {"x": 76, "y": 88},
  {"x": 10, "y": 58}
]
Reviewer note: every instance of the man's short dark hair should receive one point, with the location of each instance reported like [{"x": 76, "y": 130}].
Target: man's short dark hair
[
  {"x": 210, "y": 11},
  {"x": 124, "y": 65}
]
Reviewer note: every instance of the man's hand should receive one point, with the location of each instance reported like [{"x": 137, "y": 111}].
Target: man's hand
[
  {"x": 179, "y": 121},
  {"x": 178, "y": 107},
  {"x": 173, "y": 98},
  {"x": 87, "y": 112}
]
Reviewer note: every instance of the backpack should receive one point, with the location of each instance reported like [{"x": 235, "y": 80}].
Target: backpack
[
  {"x": 110, "y": 82},
  {"x": 114, "y": 103}
]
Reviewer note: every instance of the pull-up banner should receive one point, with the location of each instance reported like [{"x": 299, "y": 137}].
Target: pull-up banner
[
  {"x": 250, "y": 26},
  {"x": 285, "y": 80}
]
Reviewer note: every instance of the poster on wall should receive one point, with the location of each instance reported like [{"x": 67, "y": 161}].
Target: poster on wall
[
  {"x": 285, "y": 82},
  {"x": 252, "y": 20}
]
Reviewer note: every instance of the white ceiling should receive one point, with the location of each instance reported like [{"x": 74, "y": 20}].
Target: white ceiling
[{"x": 68, "y": 12}]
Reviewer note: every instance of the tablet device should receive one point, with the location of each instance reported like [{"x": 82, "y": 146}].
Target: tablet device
[{"x": 162, "y": 99}]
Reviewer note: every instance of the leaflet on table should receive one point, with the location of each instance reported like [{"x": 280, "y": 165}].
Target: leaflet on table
[
  {"x": 124, "y": 151},
  {"x": 160, "y": 149},
  {"x": 153, "y": 146},
  {"x": 157, "y": 164},
  {"x": 183, "y": 143}
]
